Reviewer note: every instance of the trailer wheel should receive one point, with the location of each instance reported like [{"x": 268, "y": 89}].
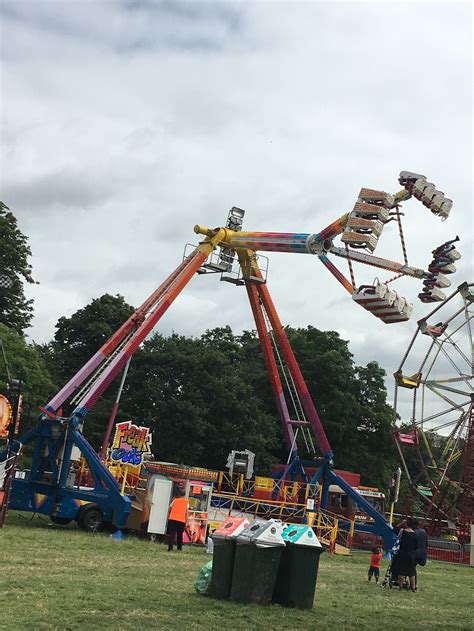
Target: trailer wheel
[
  {"x": 60, "y": 521},
  {"x": 90, "y": 519}
]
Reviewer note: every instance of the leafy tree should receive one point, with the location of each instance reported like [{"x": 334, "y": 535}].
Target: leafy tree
[
  {"x": 15, "y": 310},
  {"x": 25, "y": 363},
  {"x": 350, "y": 400},
  {"x": 77, "y": 338},
  {"x": 328, "y": 370},
  {"x": 195, "y": 396},
  {"x": 375, "y": 455}
]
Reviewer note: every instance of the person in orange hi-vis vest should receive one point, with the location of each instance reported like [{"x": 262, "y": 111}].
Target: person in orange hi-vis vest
[{"x": 177, "y": 519}]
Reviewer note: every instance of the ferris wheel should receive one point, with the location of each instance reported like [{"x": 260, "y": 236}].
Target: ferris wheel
[{"x": 433, "y": 424}]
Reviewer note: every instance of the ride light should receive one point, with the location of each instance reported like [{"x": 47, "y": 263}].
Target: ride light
[
  {"x": 235, "y": 218},
  {"x": 241, "y": 462}
]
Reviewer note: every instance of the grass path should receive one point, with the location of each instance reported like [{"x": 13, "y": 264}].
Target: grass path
[{"x": 53, "y": 578}]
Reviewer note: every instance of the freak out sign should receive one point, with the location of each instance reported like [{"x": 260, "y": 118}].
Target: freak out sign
[
  {"x": 5, "y": 416},
  {"x": 130, "y": 444}
]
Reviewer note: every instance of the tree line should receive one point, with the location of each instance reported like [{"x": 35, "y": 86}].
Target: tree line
[{"x": 201, "y": 396}]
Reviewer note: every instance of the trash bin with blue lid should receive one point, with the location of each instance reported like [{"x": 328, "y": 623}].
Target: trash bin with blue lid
[
  {"x": 295, "y": 585},
  {"x": 224, "y": 555},
  {"x": 257, "y": 558}
]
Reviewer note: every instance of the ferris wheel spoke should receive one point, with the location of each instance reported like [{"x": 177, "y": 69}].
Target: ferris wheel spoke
[
  {"x": 448, "y": 338},
  {"x": 465, "y": 357},
  {"x": 441, "y": 386},
  {"x": 453, "y": 317},
  {"x": 439, "y": 427},
  {"x": 427, "y": 419},
  {"x": 450, "y": 360},
  {"x": 444, "y": 397},
  {"x": 462, "y": 377}
]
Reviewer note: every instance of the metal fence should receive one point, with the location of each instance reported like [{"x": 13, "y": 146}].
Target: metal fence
[
  {"x": 455, "y": 553},
  {"x": 438, "y": 550}
]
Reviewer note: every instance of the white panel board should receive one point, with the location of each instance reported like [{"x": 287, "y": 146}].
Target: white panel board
[{"x": 160, "y": 506}]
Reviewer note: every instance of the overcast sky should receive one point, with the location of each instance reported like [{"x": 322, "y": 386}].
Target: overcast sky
[{"x": 124, "y": 123}]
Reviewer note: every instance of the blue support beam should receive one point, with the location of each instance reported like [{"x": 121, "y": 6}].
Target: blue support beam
[
  {"x": 51, "y": 494},
  {"x": 380, "y": 527},
  {"x": 291, "y": 472}
]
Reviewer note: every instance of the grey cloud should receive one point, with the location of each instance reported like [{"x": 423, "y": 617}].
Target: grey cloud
[
  {"x": 65, "y": 191},
  {"x": 130, "y": 27}
]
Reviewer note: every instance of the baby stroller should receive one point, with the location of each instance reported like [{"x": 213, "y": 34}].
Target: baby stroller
[{"x": 391, "y": 575}]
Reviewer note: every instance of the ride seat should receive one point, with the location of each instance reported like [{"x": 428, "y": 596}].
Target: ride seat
[
  {"x": 434, "y": 330},
  {"x": 378, "y": 198},
  {"x": 384, "y": 303},
  {"x": 360, "y": 240},
  {"x": 437, "y": 280},
  {"x": 441, "y": 264},
  {"x": 420, "y": 186},
  {"x": 370, "y": 211},
  {"x": 363, "y": 225},
  {"x": 411, "y": 382},
  {"x": 432, "y": 294},
  {"x": 428, "y": 194},
  {"x": 445, "y": 208},
  {"x": 441, "y": 205},
  {"x": 408, "y": 179}
]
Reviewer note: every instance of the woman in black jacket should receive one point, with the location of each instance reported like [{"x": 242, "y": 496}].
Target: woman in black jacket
[{"x": 406, "y": 558}]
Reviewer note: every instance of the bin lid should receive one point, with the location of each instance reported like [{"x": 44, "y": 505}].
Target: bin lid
[
  {"x": 231, "y": 527},
  {"x": 301, "y": 535},
  {"x": 263, "y": 534}
]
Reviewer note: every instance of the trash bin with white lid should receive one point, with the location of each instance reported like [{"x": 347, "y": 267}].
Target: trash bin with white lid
[
  {"x": 224, "y": 555},
  {"x": 257, "y": 558},
  {"x": 295, "y": 585}
]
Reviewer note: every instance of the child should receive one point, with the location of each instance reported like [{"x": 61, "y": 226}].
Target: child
[{"x": 374, "y": 569}]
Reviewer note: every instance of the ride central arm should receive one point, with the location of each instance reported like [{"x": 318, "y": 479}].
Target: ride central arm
[
  {"x": 318, "y": 243},
  {"x": 296, "y": 242}
]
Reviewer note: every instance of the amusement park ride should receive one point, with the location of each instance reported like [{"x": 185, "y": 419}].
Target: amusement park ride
[
  {"x": 233, "y": 253},
  {"x": 434, "y": 384}
]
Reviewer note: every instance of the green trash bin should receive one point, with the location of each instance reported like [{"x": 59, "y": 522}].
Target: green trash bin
[
  {"x": 298, "y": 572},
  {"x": 223, "y": 556},
  {"x": 257, "y": 558}
]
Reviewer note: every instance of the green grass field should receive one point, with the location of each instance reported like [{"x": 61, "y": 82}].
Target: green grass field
[{"x": 55, "y": 578}]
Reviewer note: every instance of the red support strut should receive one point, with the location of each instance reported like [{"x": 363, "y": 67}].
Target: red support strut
[
  {"x": 272, "y": 368},
  {"x": 295, "y": 371},
  {"x": 193, "y": 263}
]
